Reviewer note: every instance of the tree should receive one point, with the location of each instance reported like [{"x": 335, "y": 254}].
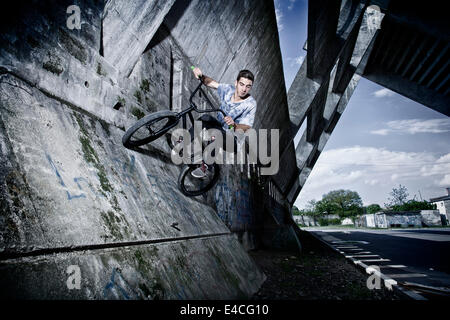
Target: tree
[
  {"x": 398, "y": 196},
  {"x": 345, "y": 203},
  {"x": 373, "y": 208},
  {"x": 413, "y": 205},
  {"x": 295, "y": 211},
  {"x": 311, "y": 208}
]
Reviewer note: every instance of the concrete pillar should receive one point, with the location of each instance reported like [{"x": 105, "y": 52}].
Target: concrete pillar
[{"x": 333, "y": 94}]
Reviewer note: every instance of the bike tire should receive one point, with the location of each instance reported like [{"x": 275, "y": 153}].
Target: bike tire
[
  {"x": 147, "y": 121},
  {"x": 186, "y": 171}
]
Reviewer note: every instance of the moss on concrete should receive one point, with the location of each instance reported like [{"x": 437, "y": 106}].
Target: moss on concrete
[
  {"x": 145, "y": 85},
  {"x": 138, "y": 96},
  {"x": 100, "y": 70},
  {"x": 91, "y": 156},
  {"x": 137, "y": 113},
  {"x": 111, "y": 222},
  {"x": 53, "y": 66},
  {"x": 104, "y": 182},
  {"x": 223, "y": 267},
  {"x": 73, "y": 46}
]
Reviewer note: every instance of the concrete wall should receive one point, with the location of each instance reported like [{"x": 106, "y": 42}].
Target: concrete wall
[
  {"x": 443, "y": 207},
  {"x": 391, "y": 220},
  {"x": 408, "y": 220},
  {"x": 306, "y": 221},
  {"x": 431, "y": 218},
  {"x": 71, "y": 195}
]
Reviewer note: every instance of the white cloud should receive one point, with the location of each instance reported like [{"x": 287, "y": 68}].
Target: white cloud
[
  {"x": 291, "y": 4},
  {"x": 373, "y": 172},
  {"x": 295, "y": 61},
  {"x": 381, "y": 132},
  {"x": 445, "y": 182},
  {"x": 414, "y": 126},
  {"x": 279, "y": 16},
  {"x": 383, "y": 93},
  {"x": 299, "y": 60}
]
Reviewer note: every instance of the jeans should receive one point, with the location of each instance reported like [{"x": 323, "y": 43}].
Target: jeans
[{"x": 209, "y": 122}]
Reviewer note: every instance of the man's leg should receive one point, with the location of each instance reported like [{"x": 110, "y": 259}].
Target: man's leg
[{"x": 208, "y": 122}]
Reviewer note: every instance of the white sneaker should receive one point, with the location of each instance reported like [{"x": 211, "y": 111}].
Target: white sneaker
[{"x": 200, "y": 172}]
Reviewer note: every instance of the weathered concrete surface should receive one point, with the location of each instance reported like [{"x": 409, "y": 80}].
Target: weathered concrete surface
[
  {"x": 431, "y": 218},
  {"x": 128, "y": 26},
  {"x": 72, "y": 195},
  {"x": 185, "y": 269},
  {"x": 82, "y": 189}
]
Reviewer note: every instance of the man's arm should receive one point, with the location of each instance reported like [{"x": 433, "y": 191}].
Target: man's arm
[
  {"x": 229, "y": 121},
  {"x": 206, "y": 80},
  {"x": 243, "y": 127}
]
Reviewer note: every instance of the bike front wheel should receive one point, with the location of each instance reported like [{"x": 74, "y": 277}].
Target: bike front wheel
[
  {"x": 191, "y": 186},
  {"x": 149, "y": 128}
]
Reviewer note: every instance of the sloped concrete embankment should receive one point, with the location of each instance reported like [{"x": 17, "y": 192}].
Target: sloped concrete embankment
[{"x": 76, "y": 205}]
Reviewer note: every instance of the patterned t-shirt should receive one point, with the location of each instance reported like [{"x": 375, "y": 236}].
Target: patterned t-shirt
[{"x": 242, "y": 112}]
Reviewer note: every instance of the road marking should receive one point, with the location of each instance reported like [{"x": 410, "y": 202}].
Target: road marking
[
  {"x": 407, "y": 275},
  {"x": 374, "y": 260},
  {"x": 355, "y": 249},
  {"x": 350, "y": 242},
  {"x": 346, "y": 247},
  {"x": 363, "y": 255},
  {"x": 399, "y": 266}
]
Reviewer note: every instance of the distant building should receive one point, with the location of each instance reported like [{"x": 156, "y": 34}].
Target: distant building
[{"x": 443, "y": 204}]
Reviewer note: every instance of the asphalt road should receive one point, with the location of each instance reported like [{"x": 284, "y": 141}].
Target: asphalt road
[{"x": 419, "y": 256}]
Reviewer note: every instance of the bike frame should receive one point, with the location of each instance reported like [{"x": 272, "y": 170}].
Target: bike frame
[{"x": 193, "y": 106}]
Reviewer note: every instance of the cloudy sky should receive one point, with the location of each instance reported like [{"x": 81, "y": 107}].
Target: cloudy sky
[{"x": 382, "y": 139}]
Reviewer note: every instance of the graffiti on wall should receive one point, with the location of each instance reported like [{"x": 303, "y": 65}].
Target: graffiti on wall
[
  {"x": 162, "y": 190},
  {"x": 234, "y": 206}
]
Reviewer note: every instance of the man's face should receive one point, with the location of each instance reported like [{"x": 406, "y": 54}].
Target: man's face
[{"x": 243, "y": 86}]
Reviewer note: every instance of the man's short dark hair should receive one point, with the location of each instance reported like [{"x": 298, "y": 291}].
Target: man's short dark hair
[{"x": 245, "y": 74}]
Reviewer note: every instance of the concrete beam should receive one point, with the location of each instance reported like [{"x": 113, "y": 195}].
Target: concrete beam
[
  {"x": 357, "y": 47},
  {"x": 308, "y": 153},
  {"x": 323, "y": 17},
  {"x": 128, "y": 27},
  {"x": 324, "y": 114},
  {"x": 304, "y": 88}
]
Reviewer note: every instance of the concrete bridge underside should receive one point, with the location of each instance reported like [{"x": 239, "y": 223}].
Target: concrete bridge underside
[{"x": 401, "y": 45}]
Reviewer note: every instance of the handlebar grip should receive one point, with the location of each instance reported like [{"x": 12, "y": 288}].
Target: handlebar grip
[{"x": 201, "y": 78}]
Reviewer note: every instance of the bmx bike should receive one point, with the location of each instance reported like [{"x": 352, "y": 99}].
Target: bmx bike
[{"x": 155, "y": 125}]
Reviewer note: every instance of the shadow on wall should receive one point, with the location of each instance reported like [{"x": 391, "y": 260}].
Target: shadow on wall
[{"x": 169, "y": 22}]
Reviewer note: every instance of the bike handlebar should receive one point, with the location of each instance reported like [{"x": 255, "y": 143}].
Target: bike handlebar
[{"x": 201, "y": 78}]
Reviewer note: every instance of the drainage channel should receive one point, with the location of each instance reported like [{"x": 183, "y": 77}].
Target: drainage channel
[{"x": 48, "y": 251}]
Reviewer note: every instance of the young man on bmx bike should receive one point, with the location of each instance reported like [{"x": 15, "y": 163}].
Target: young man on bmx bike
[{"x": 236, "y": 102}]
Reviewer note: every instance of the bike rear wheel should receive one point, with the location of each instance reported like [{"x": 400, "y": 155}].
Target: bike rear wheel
[
  {"x": 191, "y": 186},
  {"x": 149, "y": 128}
]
